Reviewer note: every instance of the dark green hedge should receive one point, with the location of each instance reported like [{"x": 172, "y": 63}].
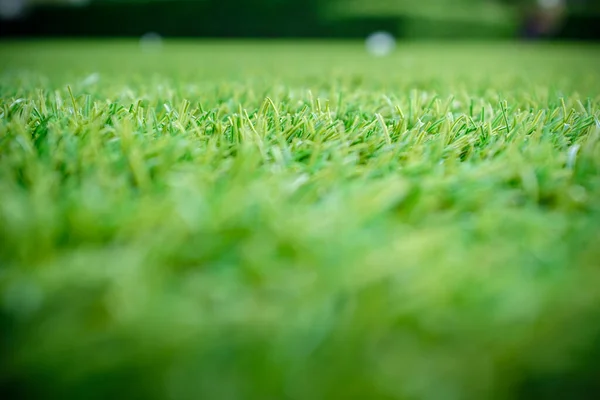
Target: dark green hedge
[
  {"x": 192, "y": 19},
  {"x": 236, "y": 18}
]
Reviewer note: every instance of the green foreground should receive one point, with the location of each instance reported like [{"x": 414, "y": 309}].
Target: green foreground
[{"x": 299, "y": 221}]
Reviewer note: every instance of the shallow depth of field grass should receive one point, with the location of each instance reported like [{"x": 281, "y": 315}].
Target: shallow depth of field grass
[{"x": 299, "y": 221}]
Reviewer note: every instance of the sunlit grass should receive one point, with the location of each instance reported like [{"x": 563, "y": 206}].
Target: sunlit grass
[{"x": 226, "y": 221}]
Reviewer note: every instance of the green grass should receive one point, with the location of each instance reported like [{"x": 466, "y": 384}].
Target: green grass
[{"x": 299, "y": 221}]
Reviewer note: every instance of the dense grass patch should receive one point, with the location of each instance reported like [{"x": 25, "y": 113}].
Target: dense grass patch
[{"x": 226, "y": 221}]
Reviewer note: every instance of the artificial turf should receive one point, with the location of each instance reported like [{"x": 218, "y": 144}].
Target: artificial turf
[{"x": 278, "y": 220}]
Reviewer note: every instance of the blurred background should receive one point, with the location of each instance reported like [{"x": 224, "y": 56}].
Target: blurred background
[{"x": 410, "y": 19}]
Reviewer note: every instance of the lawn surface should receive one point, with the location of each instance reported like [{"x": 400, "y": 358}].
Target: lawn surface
[{"x": 299, "y": 221}]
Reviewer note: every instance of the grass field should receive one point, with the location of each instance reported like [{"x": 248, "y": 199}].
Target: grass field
[{"x": 299, "y": 221}]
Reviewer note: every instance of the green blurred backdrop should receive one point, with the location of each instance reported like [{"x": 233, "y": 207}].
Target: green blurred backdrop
[{"x": 563, "y": 19}]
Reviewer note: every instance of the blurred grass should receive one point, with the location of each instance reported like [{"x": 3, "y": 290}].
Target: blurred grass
[
  {"x": 230, "y": 220},
  {"x": 486, "y": 12}
]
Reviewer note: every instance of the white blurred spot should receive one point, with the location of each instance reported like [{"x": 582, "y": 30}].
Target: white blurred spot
[
  {"x": 380, "y": 43},
  {"x": 11, "y": 9},
  {"x": 549, "y": 4},
  {"x": 151, "y": 41},
  {"x": 572, "y": 156},
  {"x": 297, "y": 183},
  {"x": 91, "y": 79}
]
